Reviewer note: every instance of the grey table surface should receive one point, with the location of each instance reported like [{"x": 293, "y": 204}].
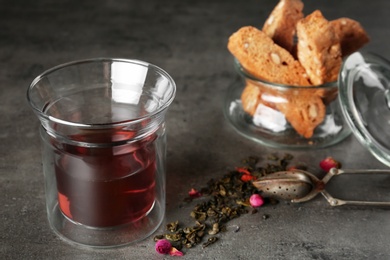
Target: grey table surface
[{"x": 188, "y": 39}]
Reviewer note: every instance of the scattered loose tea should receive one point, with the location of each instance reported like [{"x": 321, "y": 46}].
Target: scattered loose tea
[
  {"x": 158, "y": 237},
  {"x": 173, "y": 237},
  {"x": 215, "y": 229},
  {"x": 224, "y": 199},
  {"x": 172, "y": 227},
  {"x": 210, "y": 241}
]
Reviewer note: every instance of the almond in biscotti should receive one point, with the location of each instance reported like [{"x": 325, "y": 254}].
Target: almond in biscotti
[
  {"x": 318, "y": 48},
  {"x": 280, "y": 25},
  {"x": 352, "y": 35},
  {"x": 304, "y": 111},
  {"x": 264, "y": 59}
]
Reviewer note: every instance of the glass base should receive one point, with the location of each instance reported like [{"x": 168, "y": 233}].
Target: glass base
[
  {"x": 279, "y": 133},
  {"x": 108, "y": 237}
]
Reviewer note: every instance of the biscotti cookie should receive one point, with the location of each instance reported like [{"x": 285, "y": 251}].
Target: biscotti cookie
[
  {"x": 255, "y": 93},
  {"x": 250, "y": 99},
  {"x": 318, "y": 48},
  {"x": 264, "y": 59},
  {"x": 351, "y": 35},
  {"x": 304, "y": 111},
  {"x": 280, "y": 25}
]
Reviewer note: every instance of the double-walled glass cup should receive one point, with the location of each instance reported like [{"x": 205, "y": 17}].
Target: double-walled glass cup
[
  {"x": 284, "y": 116},
  {"x": 104, "y": 148}
]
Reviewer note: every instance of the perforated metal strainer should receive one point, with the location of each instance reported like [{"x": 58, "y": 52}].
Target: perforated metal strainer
[{"x": 300, "y": 186}]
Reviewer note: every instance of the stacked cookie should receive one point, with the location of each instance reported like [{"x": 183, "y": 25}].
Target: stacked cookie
[{"x": 295, "y": 50}]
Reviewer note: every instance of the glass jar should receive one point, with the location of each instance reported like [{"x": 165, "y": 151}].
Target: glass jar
[
  {"x": 104, "y": 144},
  {"x": 284, "y": 116}
]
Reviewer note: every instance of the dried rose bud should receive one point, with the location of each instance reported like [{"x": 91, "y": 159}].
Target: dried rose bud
[
  {"x": 163, "y": 246},
  {"x": 243, "y": 170},
  {"x": 246, "y": 174},
  {"x": 247, "y": 177},
  {"x": 175, "y": 252},
  {"x": 329, "y": 163},
  {"x": 256, "y": 200},
  {"x": 193, "y": 193}
]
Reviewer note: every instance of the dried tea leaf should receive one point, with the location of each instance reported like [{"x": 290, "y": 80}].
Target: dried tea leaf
[
  {"x": 158, "y": 237},
  {"x": 210, "y": 241},
  {"x": 172, "y": 227},
  {"x": 173, "y": 237},
  {"x": 215, "y": 229}
]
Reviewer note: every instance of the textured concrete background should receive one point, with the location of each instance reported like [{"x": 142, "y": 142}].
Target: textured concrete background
[{"x": 188, "y": 39}]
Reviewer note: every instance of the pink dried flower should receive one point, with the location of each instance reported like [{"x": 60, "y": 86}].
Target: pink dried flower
[
  {"x": 329, "y": 163},
  {"x": 256, "y": 200},
  {"x": 163, "y": 246},
  {"x": 193, "y": 193},
  {"x": 175, "y": 252}
]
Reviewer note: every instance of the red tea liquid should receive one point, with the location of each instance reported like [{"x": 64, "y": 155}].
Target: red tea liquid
[{"x": 106, "y": 186}]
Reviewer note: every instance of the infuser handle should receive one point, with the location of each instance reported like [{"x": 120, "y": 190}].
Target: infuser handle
[
  {"x": 338, "y": 202},
  {"x": 334, "y": 171}
]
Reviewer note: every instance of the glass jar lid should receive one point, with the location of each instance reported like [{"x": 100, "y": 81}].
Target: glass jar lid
[{"x": 364, "y": 95}]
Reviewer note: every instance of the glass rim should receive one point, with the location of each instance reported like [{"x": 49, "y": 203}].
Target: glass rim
[
  {"x": 47, "y": 72},
  {"x": 243, "y": 72}
]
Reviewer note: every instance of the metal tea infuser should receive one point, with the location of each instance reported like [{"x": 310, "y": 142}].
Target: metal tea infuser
[
  {"x": 364, "y": 96},
  {"x": 301, "y": 186}
]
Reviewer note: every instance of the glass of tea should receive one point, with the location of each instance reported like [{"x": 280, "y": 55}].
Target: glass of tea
[{"x": 104, "y": 147}]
